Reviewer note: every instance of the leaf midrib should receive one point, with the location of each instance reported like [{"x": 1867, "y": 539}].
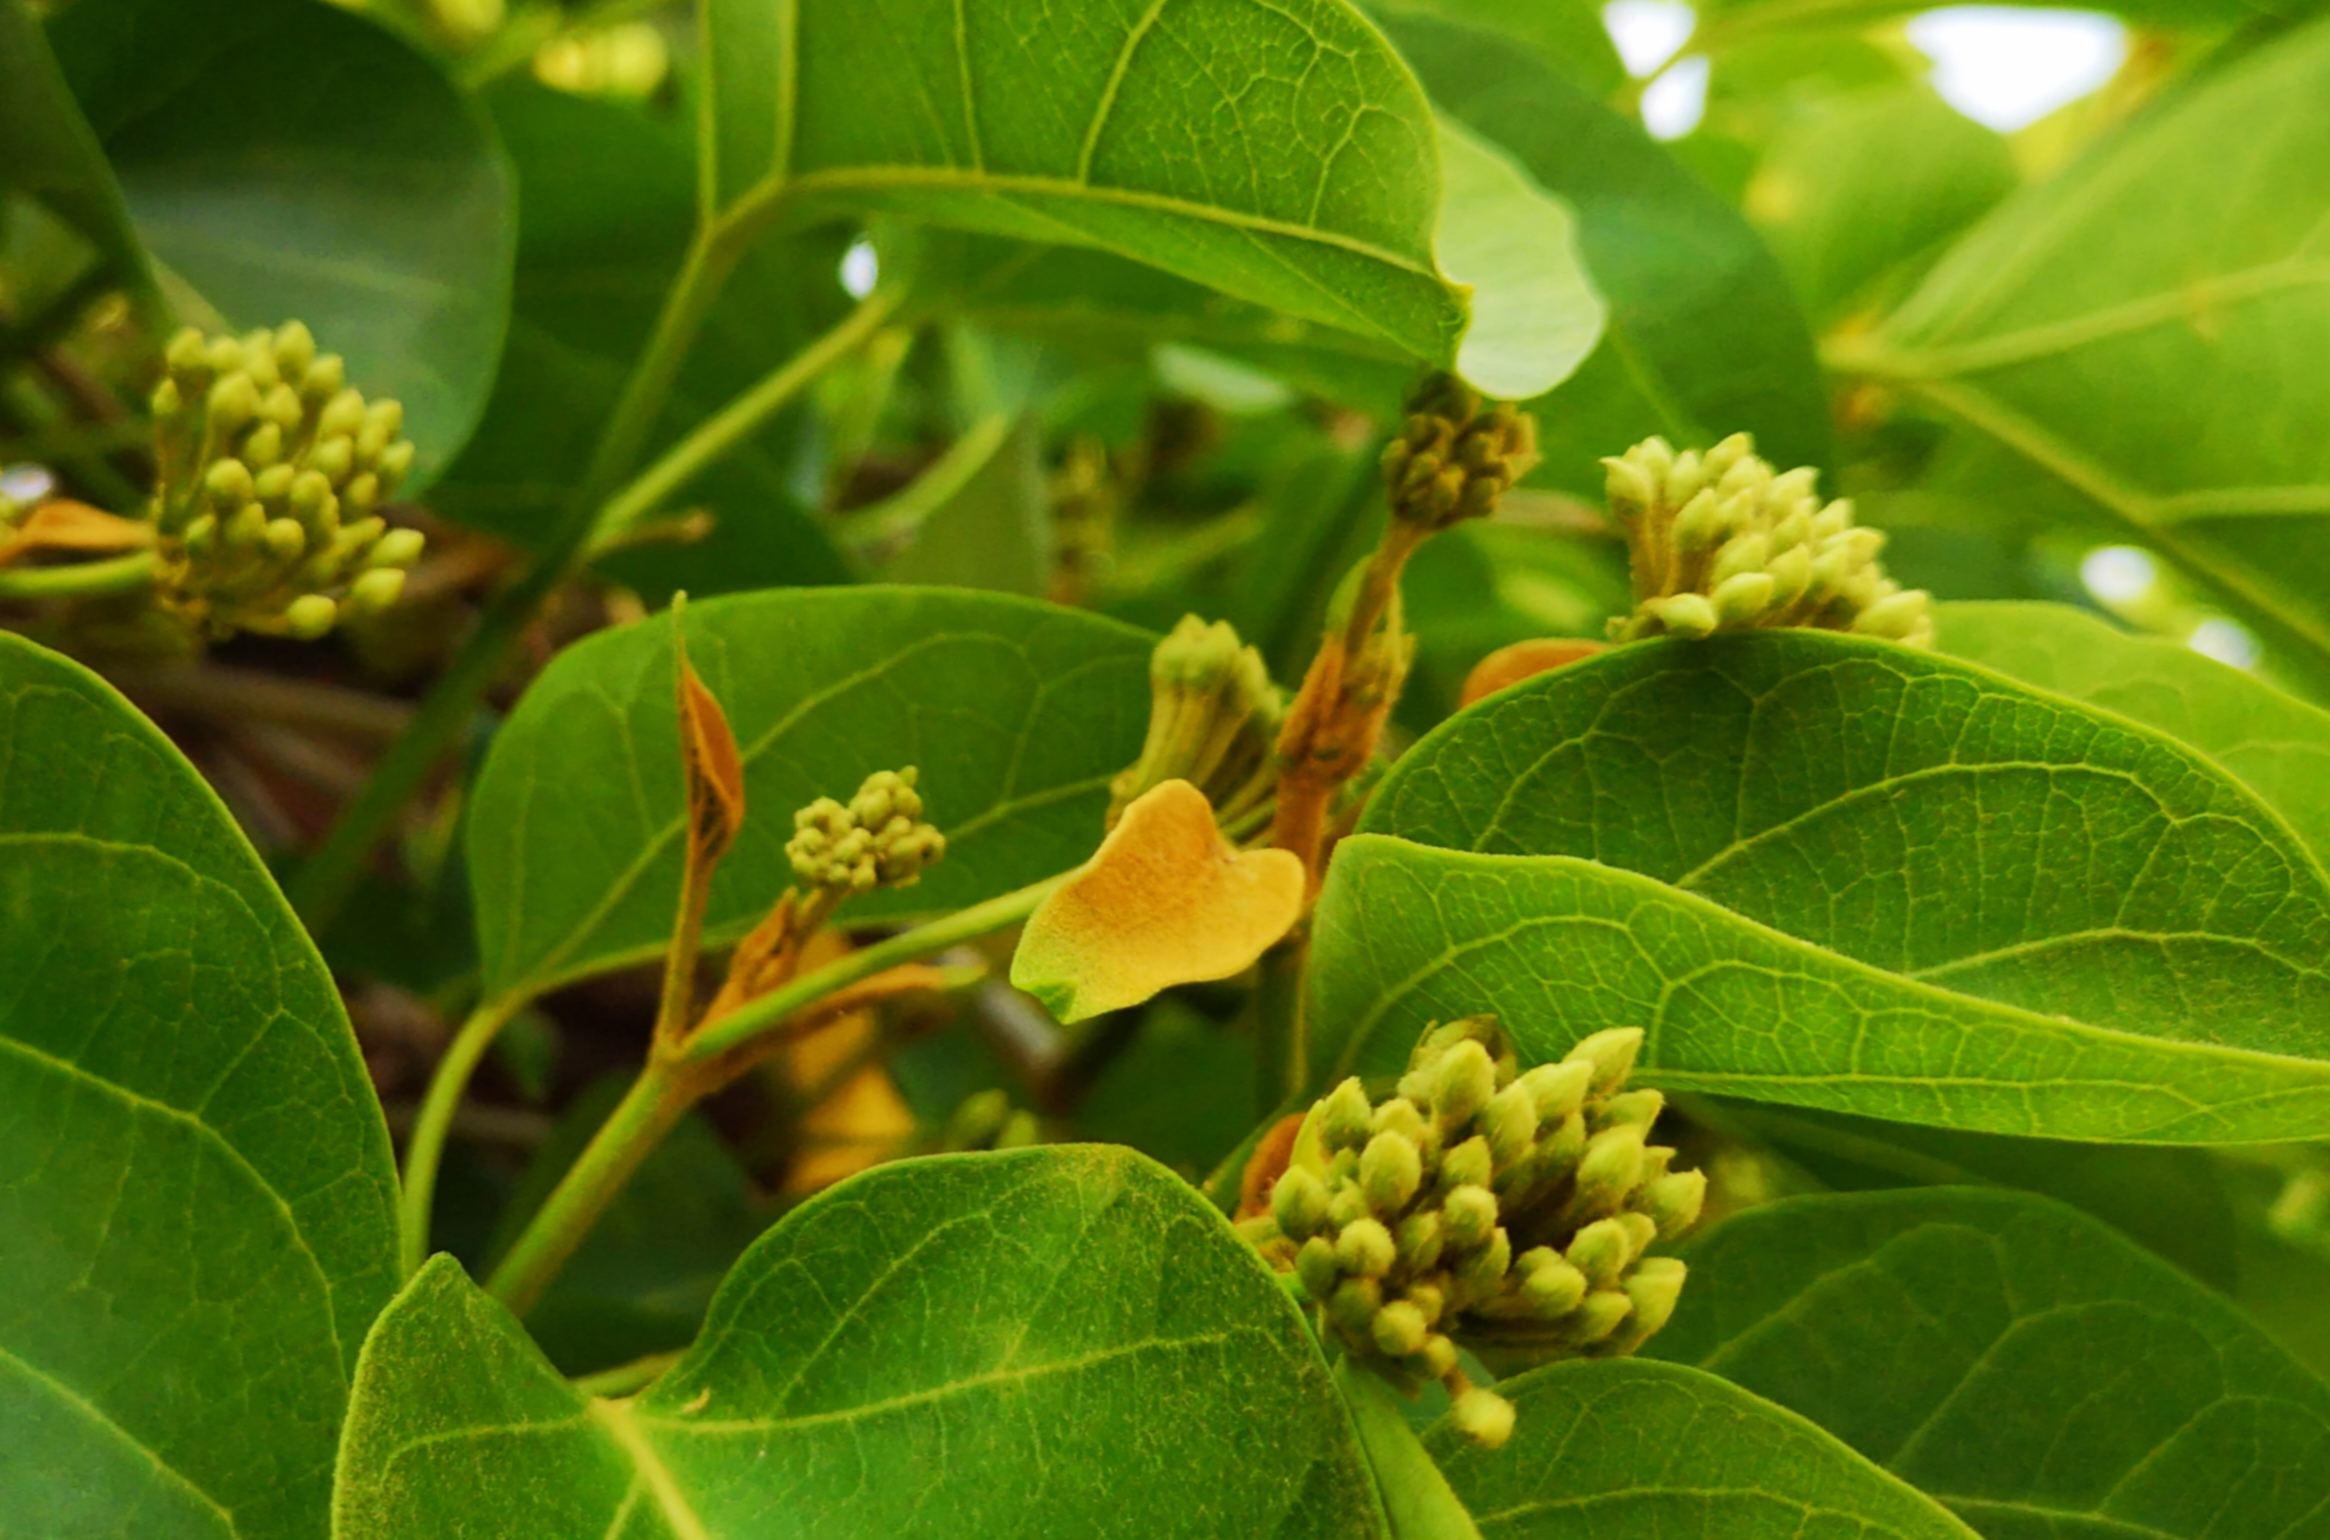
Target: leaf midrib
[{"x": 97, "y": 1415}]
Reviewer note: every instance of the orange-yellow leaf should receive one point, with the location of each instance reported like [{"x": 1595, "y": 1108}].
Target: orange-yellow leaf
[
  {"x": 60, "y": 524},
  {"x": 1523, "y": 660},
  {"x": 1165, "y": 901},
  {"x": 714, "y": 769},
  {"x": 864, "y": 1120}
]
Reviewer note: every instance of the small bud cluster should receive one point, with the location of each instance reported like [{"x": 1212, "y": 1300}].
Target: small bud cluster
[
  {"x": 1213, "y": 721},
  {"x": 1453, "y": 459},
  {"x": 1721, "y": 543},
  {"x": 986, "y": 1120},
  {"x": 1504, "y": 1211},
  {"x": 877, "y": 841},
  {"x": 271, "y": 470}
]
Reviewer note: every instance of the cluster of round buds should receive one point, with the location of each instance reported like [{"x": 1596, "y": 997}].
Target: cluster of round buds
[
  {"x": 1720, "y": 542},
  {"x": 877, "y": 840},
  {"x": 1504, "y": 1211},
  {"x": 1214, "y": 717},
  {"x": 1453, "y": 459},
  {"x": 271, "y": 469},
  {"x": 986, "y": 1120}
]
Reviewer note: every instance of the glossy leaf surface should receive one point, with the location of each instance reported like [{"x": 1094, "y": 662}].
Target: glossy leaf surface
[
  {"x": 2014, "y": 1359},
  {"x": 1969, "y": 904},
  {"x": 1278, "y": 152},
  {"x": 198, "y": 1199},
  {"x": 1016, "y": 713},
  {"x": 2161, "y": 370},
  {"x": 1046, "y": 1342},
  {"x": 1604, "y": 1449},
  {"x": 288, "y": 160}
]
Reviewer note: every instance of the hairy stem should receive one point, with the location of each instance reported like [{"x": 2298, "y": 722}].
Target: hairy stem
[{"x": 425, "y": 1149}]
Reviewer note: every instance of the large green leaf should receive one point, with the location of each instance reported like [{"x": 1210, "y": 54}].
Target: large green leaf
[
  {"x": 2278, "y": 745},
  {"x": 2162, "y": 370},
  {"x": 1016, "y": 712},
  {"x": 288, "y": 160},
  {"x": 2016, "y": 1360},
  {"x": 609, "y": 193},
  {"x": 1828, "y": 870},
  {"x": 1705, "y": 335},
  {"x": 1620, "y": 1449},
  {"x": 48, "y": 150},
  {"x": 1065, "y": 1341},
  {"x": 1277, "y": 151},
  {"x": 198, "y": 1199}
]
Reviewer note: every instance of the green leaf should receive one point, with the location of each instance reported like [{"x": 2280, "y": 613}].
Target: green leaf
[
  {"x": 2171, "y": 1201},
  {"x": 1860, "y": 187},
  {"x": 979, "y": 517},
  {"x": 1276, "y": 151},
  {"x": 2277, "y": 745},
  {"x": 1063, "y": 1341},
  {"x": 287, "y": 160},
  {"x": 1831, "y": 871},
  {"x": 49, "y": 150},
  {"x": 1705, "y": 335},
  {"x": 609, "y": 195},
  {"x": 2161, "y": 370},
  {"x": 1416, "y": 1496},
  {"x": 2016, "y": 1360},
  {"x": 1611, "y": 1448},
  {"x": 200, "y": 1204},
  {"x": 1535, "y": 315},
  {"x": 1016, "y": 712}
]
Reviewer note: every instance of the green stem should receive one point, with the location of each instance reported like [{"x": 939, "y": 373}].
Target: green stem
[
  {"x": 425, "y": 1149},
  {"x": 754, "y": 1017},
  {"x": 323, "y": 884},
  {"x": 79, "y": 580},
  {"x": 627, "y": 1379},
  {"x": 652, "y": 1107}
]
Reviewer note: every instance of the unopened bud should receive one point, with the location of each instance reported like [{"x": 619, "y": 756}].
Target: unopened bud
[
  {"x": 1484, "y": 1417},
  {"x": 1020, "y": 1131},
  {"x": 285, "y": 539},
  {"x": 1686, "y": 615},
  {"x": 1470, "y": 1214},
  {"x": 1316, "y": 1266},
  {"x": 1553, "y": 1287},
  {"x": 1609, "y": 1169},
  {"x": 396, "y": 462},
  {"x": 362, "y": 493},
  {"x": 246, "y": 528},
  {"x": 1354, "y": 1303},
  {"x": 263, "y": 446},
  {"x": 187, "y": 353},
  {"x": 1673, "y": 1201},
  {"x": 202, "y": 535},
  {"x": 1631, "y": 488},
  {"x": 1557, "y": 1090},
  {"x": 1439, "y": 1355},
  {"x": 1299, "y": 1203},
  {"x": 1641, "y": 1107},
  {"x": 325, "y": 378},
  {"x": 1611, "y": 1052},
  {"x": 1600, "y": 1251},
  {"x": 397, "y": 548},
  {"x": 1597, "y": 1316},
  {"x": 1728, "y": 453},
  {"x": 1470, "y": 1164},
  {"x": 1399, "y": 1116},
  {"x": 1390, "y": 1170},
  {"x": 1463, "y": 1083},
  {"x": 1740, "y": 601},
  {"x": 228, "y": 483},
  {"x": 1421, "y": 1240},
  {"x": 1510, "y": 1121},
  {"x": 1482, "y": 1269},
  {"x": 376, "y": 590},
  {"x": 1399, "y": 1329},
  {"x": 1640, "y": 1231},
  {"x": 1894, "y": 617},
  {"x": 167, "y": 400},
  {"x": 1346, "y": 1116},
  {"x": 295, "y": 347},
  {"x": 233, "y": 402},
  {"x": 282, "y": 408},
  {"x": 310, "y": 616},
  {"x": 342, "y": 416},
  {"x": 1653, "y": 1288},
  {"x": 1365, "y": 1247}
]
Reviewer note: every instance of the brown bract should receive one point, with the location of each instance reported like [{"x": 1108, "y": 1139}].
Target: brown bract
[{"x": 1165, "y": 901}]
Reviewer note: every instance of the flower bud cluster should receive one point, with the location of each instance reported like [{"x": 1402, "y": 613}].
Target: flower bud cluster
[
  {"x": 271, "y": 472},
  {"x": 1213, "y": 721},
  {"x": 986, "y": 1120},
  {"x": 1453, "y": 459},
  {"x": 878, "y": 840},
  {"x": 1720, "y": 542},
  {"x": 1505, "y": 1211}
]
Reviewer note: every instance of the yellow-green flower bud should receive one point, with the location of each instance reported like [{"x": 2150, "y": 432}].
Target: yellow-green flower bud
[
  {"x": 1484, "y": 1417},
  {"x": 1552, "y": 1288},
  {"x": 1346, "y": 1116},
  {"x": 1483, "y": 1269},
  {"x": 376, "y": 590},
  {"x": 1316, "y": 1266},
  {"x": 396, "y": 462},
  {"x": 283, "y": 408},
  {"x": 187, "y": 354},
  {"x": 1685, "y": 477},
  {"x": 325, "y": 378},
  {"x": 1346, "y": 1204},
  {"x": 333, "y": 458},
  {"x": 1640, "y": 1231},
  {"x": 223, "y": 355},
  {"x": 1791, "y": 574},
  {"x": 1601, "y": 1252},
  {"x": 1510, "y": 1121},
  {"x": 1729, "y": 452},
  {"x": 1354, "y": 1303},
  {"x": 1469, "y": 1164},
  {"x": 167, "y": 400},
  {"x": 1611, "y": 1052},
  {"x": 397, "y": 548},
  {"x": 1673, "y": 1201},
  {"x": 342, "y": 416},
  {"x": 1422, "y": 1237},
  {"x": 1020, "y": 1130},
  {"x": 1597, "y": 1316},
  {"x": 1557, "y": 1090},
  {"x": 1365, "y": 1247},
  {"x": 228, "y": 483},
  {"x": 1439, "y": 1356},
  {"x": 1895, "y": 617},
  {"x": 285, "y": 539},
  {"x": 1641, "y": 1107},
  {"x": 1390, "y": 1170},
  {"x": 1470, "y": 1215},
  {"x": 1741, "y": 600},
  {"x": 1609, "y": 1169},
  {"x": 202, "y": 535},
  {"x": 1399, "y": 1116},
  {"x": 1689, "y": 616},
  {"x": 263, "y": 446},
  {"x": 1399, "y": 1329},
  {"x": 1631, "y": 488},
  {"x": 1653, "y": 1288},
  {"x": 246, "y": 529},
  {"x": 1740, "y": 554},
  {"x": 1463, "y": 1082},
  {"x": 1298, "y": 1201},
  {"x": 295, "y": 348},
  {"x": 1427, "y": 1297},
  {"x": 309, "y": 616},
  {"x": 233, "y": 402},
  {"x": 362, "y": 493}
]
